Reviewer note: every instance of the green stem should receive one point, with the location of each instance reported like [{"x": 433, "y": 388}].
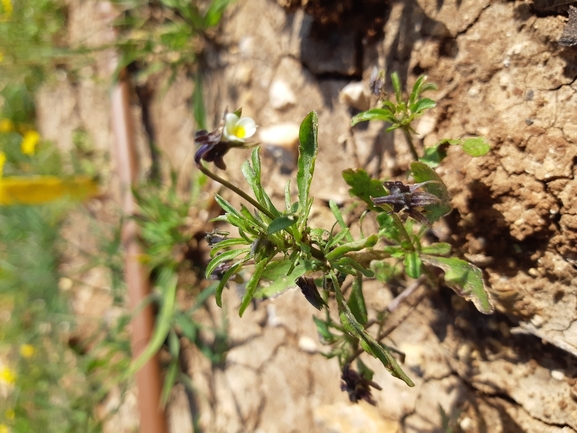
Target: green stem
[
  {"x": 409, "y": 139},
  {"x": 236, "y": 190},
  {"x": 403, "y": 230}
]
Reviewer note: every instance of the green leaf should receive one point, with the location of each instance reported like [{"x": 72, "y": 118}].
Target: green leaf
[
  {"x": 412, "y": 264},
  {"x": 357, "y": 301},
  {"x": 383, "y": 114},
  {"x": 252, "y": 174},
  {"x": 397, "y": 86},
  {"x": 214, "y": 12},
  {"x": 371, "y": 346},
  {"x": 422, "y": 173},
  {"x": 384, "y": 272},
  {"x": 281, "y": 223},
  {"x": 167, "y": 280},
  {"x": 339, "y": 217},
  {"x": 352, "y": 246},
  {"x": 324, "y": 331},
  {"x": 229, "y": 273},
  {"x": 423, "y": 104},
  {"x": 465, "y": 279},
  {"x": 416, "y": 92},
  {"x": 434, "y": 155},
  {"x": 476, "y": 146},
  {"x": 169, "y": 379},
  {"x": 224, "y": 257},
  {"x": 437, "y": 249},
  {"x": 252, "y": 284},
  {"x": 308, "y": 148},
  {"x": 363, "y": 187},
  {"x": 277, "y": 272},
  {"x": 226, "y": 244}
]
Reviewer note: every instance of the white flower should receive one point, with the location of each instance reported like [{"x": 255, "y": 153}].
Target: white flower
[{"x": 238, "y": 129}]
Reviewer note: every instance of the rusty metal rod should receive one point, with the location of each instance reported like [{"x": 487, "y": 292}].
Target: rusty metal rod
[{"x": 148, "y": 379}]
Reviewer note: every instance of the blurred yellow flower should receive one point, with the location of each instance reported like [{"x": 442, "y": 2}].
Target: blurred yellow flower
[
  {"x": 7, "y": 8},
  {"x": 2, "y": 161},
  {"x": 9, "y": 413},
  {"x": 6, "y": 125},
  {"x": 4, "y": 429},
  {"x": 27, "y": 351},
  {"x": 7, "y": 375},
  {"x": 29, "y": 142},
  {"x": 1, "y": 56}
]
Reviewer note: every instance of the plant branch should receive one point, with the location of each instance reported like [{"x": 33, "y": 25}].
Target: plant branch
[
  {"x": 235, "y": 189},
  {"x": 409, "y": 139}
]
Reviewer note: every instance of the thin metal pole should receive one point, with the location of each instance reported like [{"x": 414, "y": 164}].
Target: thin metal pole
[{"x": 152, "y": 418}]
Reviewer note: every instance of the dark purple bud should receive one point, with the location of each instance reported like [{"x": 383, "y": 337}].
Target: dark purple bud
[
  {"x": 311, "y": 292},
  {"x": 215, "y": 236},
  {"x": 357, "y": 387},
  {"x": 406, "y": 198}
]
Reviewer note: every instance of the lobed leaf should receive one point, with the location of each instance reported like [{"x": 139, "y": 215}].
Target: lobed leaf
[
  {"x": 364, "y": 187},
  {"x": 465, "y": 279},
  {"x": 423, "y": 173}
]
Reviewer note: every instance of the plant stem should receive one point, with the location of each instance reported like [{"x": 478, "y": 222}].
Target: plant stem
[
  {"x": 236, "y": 190},
  {"x": 409, "y": 139}
]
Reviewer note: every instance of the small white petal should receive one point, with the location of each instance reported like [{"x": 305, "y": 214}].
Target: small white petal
[
  {"x": 248, "y": 125},
  {"x": 230, "y": 121}
]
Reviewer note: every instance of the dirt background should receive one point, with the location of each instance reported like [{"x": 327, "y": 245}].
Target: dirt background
[{"x": 501, "y": 74}]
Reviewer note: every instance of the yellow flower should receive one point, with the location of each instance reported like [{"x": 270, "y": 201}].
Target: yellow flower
[
  {"x": 4, "y": 429},
  {"x": 1, "y": 56},
  {"x": 27, "y": 351},
  {"x": 9, "y": 413},
  {"x": 7, "y": 375},
  {"x": 29, "y": 142},
  {"x": 6, "y": 125},
  {"x": 7, "y": 8},
  {"x": 2, "y": 161}
]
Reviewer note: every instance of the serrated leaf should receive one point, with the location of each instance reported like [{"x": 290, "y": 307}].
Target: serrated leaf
[
  {"x": 382, "y": 114},
  {"x": 280, "y": 223},
  {"x": 364, "y": 187},
  {"x": 423, "y": 173},
  {"x": 308, "y": 148},
  {"x": 465, "y": 279},
  {"x": 476, "y": 146}
]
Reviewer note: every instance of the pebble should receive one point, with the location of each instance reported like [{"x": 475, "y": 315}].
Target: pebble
[
  {"x": 355, "y": 95},
  {"x": 281, "y": 95}
]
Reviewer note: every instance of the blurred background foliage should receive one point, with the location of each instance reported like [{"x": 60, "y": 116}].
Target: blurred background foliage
[{"x": 53, "y": 376}]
